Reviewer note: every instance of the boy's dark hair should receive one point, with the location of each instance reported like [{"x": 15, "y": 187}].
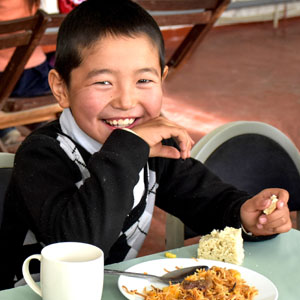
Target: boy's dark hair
[{"x": 95, "y": 19}]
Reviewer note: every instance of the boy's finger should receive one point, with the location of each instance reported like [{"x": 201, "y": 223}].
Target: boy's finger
[
  {"x": 184, "y": 141},
  {"x": 279, "y": 227},
  {"x": 164, "y": 151},
  {"x": 281, "y": 194},
  {"x": 257, "y": 204}
]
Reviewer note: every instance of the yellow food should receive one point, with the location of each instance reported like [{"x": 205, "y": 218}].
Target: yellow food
[
  {"x": 272, "y": 206},
  {"x": 214, "y": 284},
  {"x": 170, "y": 255}
]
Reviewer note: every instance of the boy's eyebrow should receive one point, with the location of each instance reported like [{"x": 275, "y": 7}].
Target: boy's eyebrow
[
  {"x": 148, "y": 70},
  {"x": 96, "y": 72}
]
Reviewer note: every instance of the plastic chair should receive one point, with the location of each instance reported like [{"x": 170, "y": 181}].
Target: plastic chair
[
  {"x": 6, "y": 165},
  {"x": 251, "y": 156}
]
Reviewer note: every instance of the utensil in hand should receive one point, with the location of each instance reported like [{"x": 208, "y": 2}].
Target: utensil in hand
[{"x": 173, "y": 276}]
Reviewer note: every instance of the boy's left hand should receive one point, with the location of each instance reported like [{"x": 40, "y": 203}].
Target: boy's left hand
[{"x": 255, "y": 221}]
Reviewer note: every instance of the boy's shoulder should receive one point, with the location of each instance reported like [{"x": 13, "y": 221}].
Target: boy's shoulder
[
  {"x": 47, "y": 140},
  {"x": 50, "y": 130},
  {"x": 46, "y": 134}
]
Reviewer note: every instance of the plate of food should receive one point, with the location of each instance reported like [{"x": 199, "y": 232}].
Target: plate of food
[{"x": 223, "y": 279}]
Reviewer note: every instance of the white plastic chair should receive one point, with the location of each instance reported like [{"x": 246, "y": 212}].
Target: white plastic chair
[
  {"x": 6, "y": 165},
  {"x": 209, "y": 150},
  {"x": 6, "y": 160}
]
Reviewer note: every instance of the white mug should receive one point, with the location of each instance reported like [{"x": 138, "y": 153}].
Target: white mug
[{"x": 69, "y": 271}]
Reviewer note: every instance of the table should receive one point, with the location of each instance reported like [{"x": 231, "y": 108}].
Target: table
[{"x": 278, "y": 259}]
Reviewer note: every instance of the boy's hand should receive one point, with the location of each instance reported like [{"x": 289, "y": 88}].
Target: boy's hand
[
  {"x": 255, "y": 221},
  {"x": 160, "y": 128}
]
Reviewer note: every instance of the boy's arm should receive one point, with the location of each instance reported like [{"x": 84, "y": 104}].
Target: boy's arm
[
  {"x": 95, "y": 212},
  {"x": 188, "y": 190}
]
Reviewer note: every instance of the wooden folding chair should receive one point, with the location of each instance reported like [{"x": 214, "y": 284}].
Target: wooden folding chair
[
  {"x": 199, "y": 14},
  {"x": 24, "y": 35}
]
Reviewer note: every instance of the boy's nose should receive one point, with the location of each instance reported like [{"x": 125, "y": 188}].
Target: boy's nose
[{"x": 125, "y": 100}]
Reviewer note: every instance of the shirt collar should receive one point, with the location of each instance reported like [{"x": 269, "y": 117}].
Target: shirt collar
[{"x": 70, "y": 128}]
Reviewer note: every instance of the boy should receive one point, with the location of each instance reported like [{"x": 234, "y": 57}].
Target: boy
[{"x": 95, "y": 174}]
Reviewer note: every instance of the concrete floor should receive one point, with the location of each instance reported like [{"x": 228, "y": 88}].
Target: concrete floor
[{"x": 239, "y": 72}]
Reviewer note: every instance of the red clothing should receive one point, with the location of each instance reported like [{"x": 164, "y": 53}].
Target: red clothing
[{"x": 66, "y": 6}]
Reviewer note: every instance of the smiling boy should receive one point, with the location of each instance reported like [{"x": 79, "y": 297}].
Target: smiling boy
[{"x": 95, "y": 174}]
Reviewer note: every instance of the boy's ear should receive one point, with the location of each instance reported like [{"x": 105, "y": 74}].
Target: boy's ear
[
  {"x": 165, "y": 73},
  {"x": 58, "y": 88}
]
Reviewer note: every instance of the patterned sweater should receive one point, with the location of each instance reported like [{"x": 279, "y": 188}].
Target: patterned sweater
[{"x": 63, "y": 192}]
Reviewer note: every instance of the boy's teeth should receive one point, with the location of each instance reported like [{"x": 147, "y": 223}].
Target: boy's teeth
[{"x": 120, "y": 122}]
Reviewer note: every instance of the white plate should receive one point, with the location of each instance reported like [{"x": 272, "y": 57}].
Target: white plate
[{"x": 266, "y": 288}]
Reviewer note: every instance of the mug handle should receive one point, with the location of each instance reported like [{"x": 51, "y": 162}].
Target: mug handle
[{"x": 26, "y": 274}]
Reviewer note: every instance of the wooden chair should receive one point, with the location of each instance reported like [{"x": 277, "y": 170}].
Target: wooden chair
[
  {"x": 201, "y": 15},
  {"x": 24, "y": 35}
]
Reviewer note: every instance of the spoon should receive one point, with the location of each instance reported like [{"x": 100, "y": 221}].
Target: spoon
[{"x": 173, "y": 277}]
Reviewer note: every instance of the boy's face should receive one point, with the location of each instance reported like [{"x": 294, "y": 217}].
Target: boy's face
[{"x": 117, "y": 85}]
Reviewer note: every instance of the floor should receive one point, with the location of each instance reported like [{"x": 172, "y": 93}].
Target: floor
[{"x": 239, "y": 72}]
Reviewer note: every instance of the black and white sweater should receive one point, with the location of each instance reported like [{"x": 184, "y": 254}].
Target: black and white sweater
[{"x": 64, "y": 188}]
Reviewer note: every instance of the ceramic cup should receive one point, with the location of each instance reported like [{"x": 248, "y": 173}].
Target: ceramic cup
[{"x": 69, "y": 271}]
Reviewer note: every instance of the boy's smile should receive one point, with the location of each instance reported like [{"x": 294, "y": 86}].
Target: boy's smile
[
  {"x": 117, "y": 85},
  {"x": 121, "y": 123}
]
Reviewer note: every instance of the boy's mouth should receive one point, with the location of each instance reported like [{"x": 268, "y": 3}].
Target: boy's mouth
[{"x": 120, "y": 123}]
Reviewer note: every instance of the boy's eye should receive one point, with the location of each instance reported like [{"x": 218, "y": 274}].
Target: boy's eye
[
  {"x": 103, "y": 82},
  {"x": 144, "y": 81}
]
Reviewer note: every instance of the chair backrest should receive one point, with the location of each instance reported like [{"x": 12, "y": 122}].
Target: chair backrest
[
  {"x": 25, "y": 35},
  {"x": 199, "y": 14},
  {"x": 12, "y": 269},
  {"x": 6, "y": 165},
  {"x": 251, "y": 156}
]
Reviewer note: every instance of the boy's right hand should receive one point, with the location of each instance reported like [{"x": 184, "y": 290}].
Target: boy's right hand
[{"x": 160, "y": 128}]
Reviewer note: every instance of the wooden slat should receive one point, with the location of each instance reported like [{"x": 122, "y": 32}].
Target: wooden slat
[
  {"x": 55, "y": 20},
  {"x": 18, "y": 25},
  {"x": 18, "y": 104},
  {"x": 195, "y": 37},
  {"x": 181, "y": 19},
  {"x": 169, "y": 5},
  {"x": 15, "y": 40},
  {"x": 48, "y": 39},
  {"x": 50, "y": 36},
  {"x": 30, "y": 116}
]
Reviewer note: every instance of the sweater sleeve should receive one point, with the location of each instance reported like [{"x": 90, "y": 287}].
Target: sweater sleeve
[
  {"x": 188, "y": 190},
  {"x": 45, "y": 178}
]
